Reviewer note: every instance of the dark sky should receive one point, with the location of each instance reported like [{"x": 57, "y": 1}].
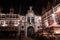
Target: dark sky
[{"x": 23, "y": 5}]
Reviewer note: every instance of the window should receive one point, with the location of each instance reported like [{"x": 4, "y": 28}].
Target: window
[
  {"x": 10, "y": 22},
  {"x": 32, "y": 20},
  {"x": 58, "y": 19},
  {"x": 16, "y": 23},
  {"x": 50, "y": 20},
  {"x": 28, "y": 20},
  {"x": 7, "y": 22},
  {"x": 7, "y": 16},
  {"x": 46, "y": 23},
  {"x": 10, "y": 16},
  {"x": 2, "y": 22},
  {"x": 16, "y": 16},
  {"x": 57, "y": 12},
  {"x": 3, "y": 16}
]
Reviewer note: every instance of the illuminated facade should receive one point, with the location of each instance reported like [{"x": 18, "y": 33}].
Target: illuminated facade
[
  {"x": 30, "y": 23},
  {"x": 51, "y": 20},
  {"x": 10, "y": 21},
  {"x": 23, "y": 25}
]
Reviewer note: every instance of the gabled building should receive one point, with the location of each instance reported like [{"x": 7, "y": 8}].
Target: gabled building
[{"x": 30, "y": 23}]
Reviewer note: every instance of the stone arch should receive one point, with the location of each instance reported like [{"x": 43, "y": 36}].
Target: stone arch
[{"x": 30, "y": 31}]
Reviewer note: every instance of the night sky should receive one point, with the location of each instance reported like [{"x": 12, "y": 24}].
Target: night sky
[{"x": 23, "y": 5}]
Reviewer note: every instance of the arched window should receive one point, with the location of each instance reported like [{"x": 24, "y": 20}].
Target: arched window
[
  {"x": 32, "y": 19},
  {"x": 28, "y": 19}
]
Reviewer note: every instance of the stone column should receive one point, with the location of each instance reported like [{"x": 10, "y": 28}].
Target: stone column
[{"x": 26, "y": 29}]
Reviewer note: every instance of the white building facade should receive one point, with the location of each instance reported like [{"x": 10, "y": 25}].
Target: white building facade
[
  {"x": 25, "y": 25},
  {"x": 30, "y": 23}
]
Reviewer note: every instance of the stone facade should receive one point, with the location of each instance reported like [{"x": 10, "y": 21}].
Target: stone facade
[
  {"x": 23, "y": 23},
  {"x": 51, "y": 20},
  {"x": 31, "y": 20}
]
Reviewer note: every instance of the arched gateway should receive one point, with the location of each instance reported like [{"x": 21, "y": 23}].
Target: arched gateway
[{"x": 30, "y": 31}]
